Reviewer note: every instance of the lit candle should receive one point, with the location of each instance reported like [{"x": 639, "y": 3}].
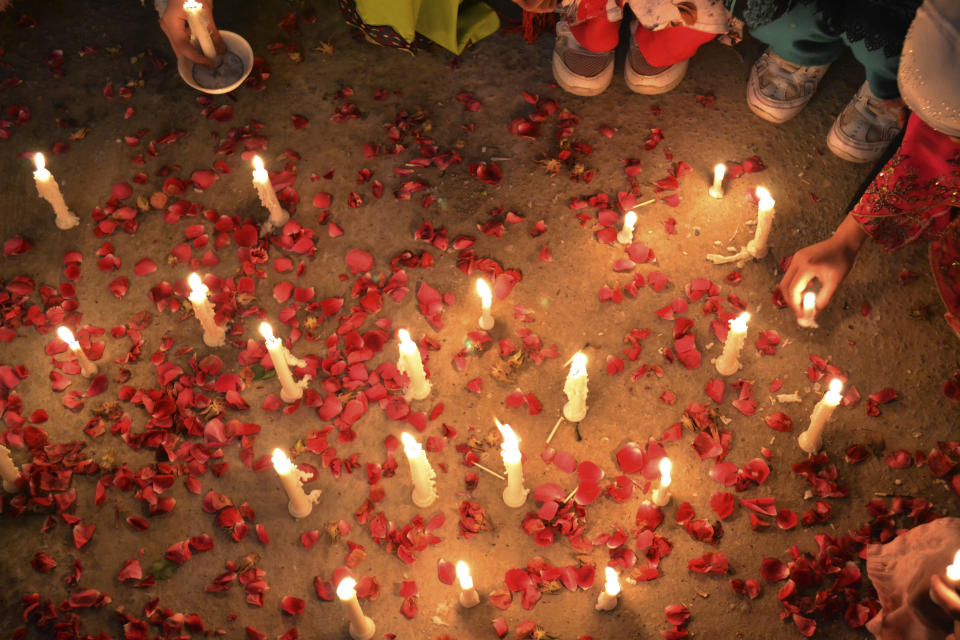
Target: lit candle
[
  {"x": 808, "y": 316},
  {"x": 423, "y": 475},
  {"x": 758, "y": 246},
  {"x": 49, "y": 190},
  {"x": 515, "y": 495},
  {"x": 625, "y": 236},
  {"x": 268, "y": 197},
  {"x": 661, "y": 495},
  {"x": 486, "y": 299},
  {"x": 410, "y": 363},
  {"x": 361, "y": 627},
  {"x": 729, "y": 361},
  {"x": 811, "y": 439},
  {"x": 197, "y": 20},
  {"x": 575, "y": 388},
  {"x": 716, "y": 189},
  {"x": 300, "y": 504},
  {"x": 213, "y": 334},
  {"x": 87, "y": 368},
  {"x": 8, "y": 471},
  {"x": 610, "y": 596},
  {"x": 468, "y": 595},
  {"x": 290, "y": 390}
]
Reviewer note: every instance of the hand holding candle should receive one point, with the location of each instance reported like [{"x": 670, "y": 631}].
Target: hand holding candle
[
  {"x": 661, "y": 495},
  {"x": 361, "y": 627},
  {"x": 290, "y": 390},
  {"x": 575, "y": 388},
  {"x": 87, "y": 369},
  {"x": 807, "y": 318},
  {"x": 625, "y": 236},
  {"x": 515, "y": 495},
  {"x": 8, "y": 471},
  {"x": 811, "y": 439},
  {"x": 729, "y": 361},
  {"x": 410, "y": 363},
  {"x": 486, "y": 299},
  {"x": 468, "y": 595},
  {"x": 49, "y": 190},
  {"x": 300, "y": 504},
  {"x": 213, "y": 334},
  {"x": 765, "y": 203},
  {"x": 423, "y": 475},
  {"x": 610, "y": 596},
  {"x": 200, "y": 29},
  {"x": 268, "y": 197},
  {"x": 716, "y": 189}
]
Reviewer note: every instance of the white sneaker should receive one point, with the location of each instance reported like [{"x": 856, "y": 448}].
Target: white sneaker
[
  {"x": 778, "y": 90},
  {"x": 643, "y": 77},
  {"x": 578, "y": 70},
  {"x": 865, "y": 128}
]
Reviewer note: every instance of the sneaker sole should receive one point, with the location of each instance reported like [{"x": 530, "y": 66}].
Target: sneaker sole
[
  {"x": 579, "y": 85},
  {"x": 845, "y": 151},
  {"x": 641, "y": 84}
]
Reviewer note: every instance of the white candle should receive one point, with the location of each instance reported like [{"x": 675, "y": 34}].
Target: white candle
[
  {"x": 300, "y": 504},
  {"x": 197, "y": 20},
  {"x": 486, "y": 299},
  {"x": 87, "y": 368},
  {"x": 268, "y": 197},
  {"x": 661, "y": 495},
  {"x": 610, "y": 596},
  {"x": 410, "y": 363},
  {"x": 807, "y": 318},
  {"x": 213, "y": 334},
  {"x": 468, "y": 595},
  {"x": 811, "y": 439},
  {"x": 49, "y": 190},
  {"x": 575, "y": 388},
  {"x": 8, "y": 471},
  {"x": 361, "y": 627},
  {"x": 290, "y": 390},
  {"x": 515, "y": 495},
  {"x": 423, "y": 475},
  {"x": 716, "y": 189},
  {"x": 758, "y": 246},
  {"x": 625, "y": 236},
  {"x": 729, "y": 361}
]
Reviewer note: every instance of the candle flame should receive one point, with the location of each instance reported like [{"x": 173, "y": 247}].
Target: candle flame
[
  {"x": 578, "y": 365},
  {"x": 764, "y": 199},
  {"x": 281, "y": 463},
  {"x": 612, "y": 584},
  {"x": 257, "y": 162},
  {"x": 719, "y": 171},
  {"x": 347, "y": 588},
  {"x": 406, "y": 344},
  {"x": 483, "y": 290},
  {"x": 665, "y": 468},
  {"x": 630, "y": 219},
  {"x": 194, "y": 281},
  {"x": 463, "y": 575},
  {"x": 836, "y": 385},
  {"x": 39, "y": 161},
  {"x": 510, "y": 441},
  {"x": 739, "y": 324},
  {"x": 410, "y": 445},
  {"x": 192, "y": 5},
  {"x": 809, "y": 301},
  {"x": 67, "y": 336},
  {"x": 834, "y": 393},
  {"x": 267, "y": 331},
  {"x": 953, "y": 571}
]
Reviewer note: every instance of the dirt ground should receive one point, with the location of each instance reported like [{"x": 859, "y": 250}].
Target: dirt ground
[{"x": 114, "y": 110}]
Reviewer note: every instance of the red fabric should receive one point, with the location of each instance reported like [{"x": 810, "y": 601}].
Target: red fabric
[
  {"x": 661, "y": 48},
  {"x": 915, "y": 197}
]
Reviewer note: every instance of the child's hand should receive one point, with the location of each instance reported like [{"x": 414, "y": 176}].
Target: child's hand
[
  {"x": 828, "y": 261},
  {"x": 174, "y": 25},
  {"x": 946, "y": 595}
]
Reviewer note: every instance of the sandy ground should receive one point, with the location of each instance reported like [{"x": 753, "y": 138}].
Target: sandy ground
[{"x": 902, "y": 343}]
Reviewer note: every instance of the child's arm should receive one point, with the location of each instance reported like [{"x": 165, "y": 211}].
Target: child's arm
[
  {"x": 173, "y": 21},
  {"x": 828, "y": 261}
]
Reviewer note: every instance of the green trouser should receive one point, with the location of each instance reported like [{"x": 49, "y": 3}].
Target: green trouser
[
  {"x": 450, "y": 23},
  {"x": 800, "y": 36}
]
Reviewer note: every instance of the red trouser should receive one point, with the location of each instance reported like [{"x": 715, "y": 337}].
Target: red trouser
[{"x": 660, "y": 48}]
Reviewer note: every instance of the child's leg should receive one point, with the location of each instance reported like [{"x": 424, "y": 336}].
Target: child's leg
[
  {"x": 671, "y": 45},
  {"x": 800, "y": 36},
  {"x": 583, "y": 54},
  {"x": 881, "y": 69},
  {"x": 597, "y": 34}
]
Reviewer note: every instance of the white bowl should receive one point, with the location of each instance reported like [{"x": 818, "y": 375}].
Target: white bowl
[{"x": 237, "y": 45}]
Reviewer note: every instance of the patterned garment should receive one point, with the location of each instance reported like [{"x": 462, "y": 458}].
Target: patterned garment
[
  {"x": 710, "y": 16},
  {"x": 916, "y": 196},
  {"x": 381, "y": 35}
]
